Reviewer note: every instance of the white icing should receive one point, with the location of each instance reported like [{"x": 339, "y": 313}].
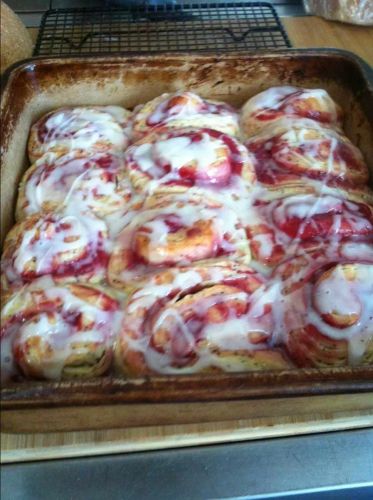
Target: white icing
[
  {"x": 362, "y": 251},
  {"x": 193, "y": 111},
  {"x": 271, "y": 98},
  {"x": 248, "y": 331},
  {"x": 334, "y": 295},
  {"x": 58, "y": 328},
  {"x": 181, "y": 151},
  {"x": 266, "y": 244},
  {"x": 83, "y": 128},
  {"x": 191, "y": 106},
  {"x": 280, "y": 102},
  {"x": 272, "y": 220},
  {"x": 146, "y": 295},
  {"x": 80, "y": 189},
  {"x": 312, "y": 304},
  {"x": 185, "y": 212},
  {"x": 57, "y": 240},
  {"x": 176, "y": 157},
  {"x": 233, "y": 334},
  {"x": 79, "y": 182},
  {"x": 277, "y": 97}
]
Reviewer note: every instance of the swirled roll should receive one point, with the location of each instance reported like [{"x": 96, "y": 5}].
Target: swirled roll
[
  {"x": 175, "y": 160},
  {"x": 328, "y": 308},
  {"x": 284, "y": 223},
  {"x": 275, "y": 103},
  {"x": 67, "y": 246},
  {"x": 96, "y": 183},
  {"x": 176, "y": 230},
  {"x": 193, "y": 319},
  {"x": 80, "y": 129},
  {"x": 51, "y": 331},
  {"x": 184, "y": 109},
  {"x": 292, "y": 150}
]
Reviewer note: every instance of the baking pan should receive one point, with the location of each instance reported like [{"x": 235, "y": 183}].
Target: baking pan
[{"x": 36, "y": 86}]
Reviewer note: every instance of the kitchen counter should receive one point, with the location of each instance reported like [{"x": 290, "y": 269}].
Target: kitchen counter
[
  {"x": 311, "y": 31},
  {"x": 319, "y": 467}
]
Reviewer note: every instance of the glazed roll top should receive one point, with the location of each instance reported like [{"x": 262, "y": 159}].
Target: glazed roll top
[
  {"x": 289, "y": 151},
  {"x": 96, "y": 183},
  {"x": 176, "y": 230},
  {"x": 184, "y": 109},
  {"x": 177, "y": 160},
  {"x": 51, "y": 331},
  {"x": 63, "y": 245},
  {"x": 80, "y": 129},
  {"x": 271, "y": 105},
  {"x": 285, "y": 222},
  {"x": 199, "y": 319},
  {"x": 167, "y": 204},
  {"x": 328, "y": 313}
]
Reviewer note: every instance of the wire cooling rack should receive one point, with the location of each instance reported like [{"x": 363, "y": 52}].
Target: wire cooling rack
[{"x": 220, "y": 27}]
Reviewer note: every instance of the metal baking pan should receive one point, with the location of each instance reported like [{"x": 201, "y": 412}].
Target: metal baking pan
[{"x": 35, "y": 86}]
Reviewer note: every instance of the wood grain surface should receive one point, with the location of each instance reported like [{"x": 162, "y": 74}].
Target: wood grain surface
[
  {"x": 44, "y": 446},
  {"x": 303, "y": 32},
  {"x": 309, "y": 31}
]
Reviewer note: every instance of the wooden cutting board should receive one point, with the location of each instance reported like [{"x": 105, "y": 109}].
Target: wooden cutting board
[
  {"x": 43, "y": 446},
  {"x": 303, "y": 32}
]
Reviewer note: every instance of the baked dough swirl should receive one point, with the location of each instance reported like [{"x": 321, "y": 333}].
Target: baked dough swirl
[
  {"x": 175, "y": 160},
  {"x": 176, "y": 230},
  {"x": 193, "y": 319},
  {"x": 184, "y": 109},
  {"x": 167, "y": 205},
  {"x": 285, "y": 222},
  {"x": 80, "y": 129},
  {"x": 290, "y": 150},
  {"x": 67, "y": 246},
  {"x": 328, "y": 307},
  {"x": 267, "y": 107},
  {"x": 96, "y": 183},
  {"x": 51, "y": 331}
]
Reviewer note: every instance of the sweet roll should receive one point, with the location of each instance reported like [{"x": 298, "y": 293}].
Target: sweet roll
[
  {"x": 80, "y": 129},
  {"x": 275, "y": 103},
  {"x": 184, "y": 109},
  {"x": 198, "y": 319},
  {"x": 50, "y": 331}
]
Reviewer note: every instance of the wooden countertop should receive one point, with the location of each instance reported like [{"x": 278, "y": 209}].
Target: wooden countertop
[{"x": 310, "y": 31}]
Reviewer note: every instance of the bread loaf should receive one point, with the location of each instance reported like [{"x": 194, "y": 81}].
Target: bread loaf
[
  {"x": 345, "y": 11},
  {"x": 16, "y": 43}
]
